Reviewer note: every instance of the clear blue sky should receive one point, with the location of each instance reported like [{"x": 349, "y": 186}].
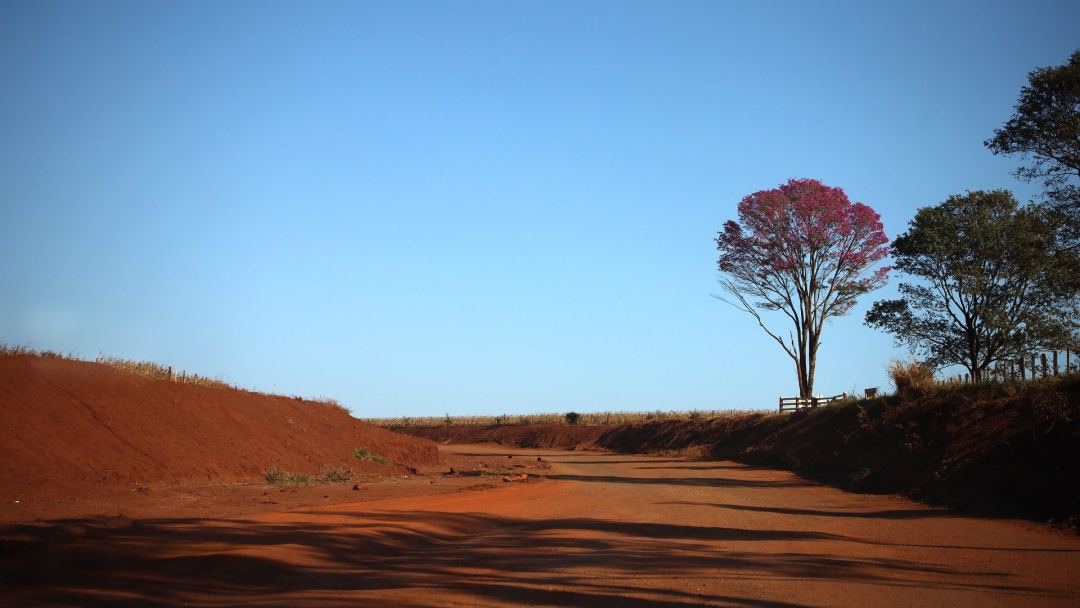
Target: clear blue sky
[{"x": 472, "y": 207}]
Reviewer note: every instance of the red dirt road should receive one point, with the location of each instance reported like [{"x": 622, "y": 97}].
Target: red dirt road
[{"x": 601, "y": 530}]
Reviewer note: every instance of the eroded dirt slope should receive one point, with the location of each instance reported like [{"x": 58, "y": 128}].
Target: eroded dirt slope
[{"x": 70, "y": 422}]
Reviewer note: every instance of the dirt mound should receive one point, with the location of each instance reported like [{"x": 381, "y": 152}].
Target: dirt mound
[
  {"x": 999, "y": 449},
  {"x": 69, "y": 422}
]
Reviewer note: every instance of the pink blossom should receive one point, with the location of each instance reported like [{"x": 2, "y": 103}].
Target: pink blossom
[{"x": 806, "y": 250}]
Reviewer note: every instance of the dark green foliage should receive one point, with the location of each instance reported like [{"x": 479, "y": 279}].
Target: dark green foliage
[
  {"x": 572, "y": 417},
  {"x": 994, "y": 282},
  {"x": 1045, "y": 130}
]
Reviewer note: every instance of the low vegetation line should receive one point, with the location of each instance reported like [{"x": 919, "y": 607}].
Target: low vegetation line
[
  {"x": 569, "y": 418},
  {"x": 326, "y": 475}
]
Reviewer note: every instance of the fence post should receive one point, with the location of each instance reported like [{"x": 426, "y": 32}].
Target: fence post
[
  {"x": 1042, "y": 358},
  {"x": 1023, "y": 374},
  {"x": 1055, "y": 364}
]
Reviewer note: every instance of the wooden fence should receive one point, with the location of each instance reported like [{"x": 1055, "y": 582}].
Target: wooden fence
[
  {"x": 1030, "y": 366},
  {"x": 792, "y": 404}
]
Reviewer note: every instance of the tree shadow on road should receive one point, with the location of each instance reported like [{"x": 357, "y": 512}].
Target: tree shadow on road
[
  {"x": 899, "y": 514},
  {"x": 707, "y": 482},
  {"x": 423, "y": 558}
]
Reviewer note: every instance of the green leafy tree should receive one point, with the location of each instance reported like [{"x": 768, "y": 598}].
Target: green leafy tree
[
  {"x": 995, "y": 282},
  {"x": 1045, "y": 131}
]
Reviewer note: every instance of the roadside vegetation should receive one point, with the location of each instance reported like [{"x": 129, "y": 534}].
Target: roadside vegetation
[
  {"x": 326, "y": 475},
  {"x": 364, "y": 454}
]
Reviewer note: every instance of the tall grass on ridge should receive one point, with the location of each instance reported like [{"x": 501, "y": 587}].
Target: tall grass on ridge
[{"x": 910, "y": 374}]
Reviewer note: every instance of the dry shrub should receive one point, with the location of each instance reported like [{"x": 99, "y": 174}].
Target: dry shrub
[
  {"x": 329, "y": 474},
  {"x": 334, "y": 403},
  {"x": 910, "y": 374}
]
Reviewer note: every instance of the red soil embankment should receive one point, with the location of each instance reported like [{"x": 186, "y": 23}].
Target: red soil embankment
[
  {"x": 74, "y": 422},
  {"x": 1000, "y": 449}
]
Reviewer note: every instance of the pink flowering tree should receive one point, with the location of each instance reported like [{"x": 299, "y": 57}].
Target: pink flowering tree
[{"x": 805, "y": 250}]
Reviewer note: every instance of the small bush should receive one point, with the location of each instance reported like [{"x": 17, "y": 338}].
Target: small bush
[
  {"x": 285, "y": 478},
  {"x": 329, "y": 474},
  {"x": 910, "y": 374},
  {"x": 363, "y": 454},
  {"x": 572, "y": 417}
]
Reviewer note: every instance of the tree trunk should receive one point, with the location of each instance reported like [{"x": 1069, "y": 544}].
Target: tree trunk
[
  {"x": 812, "y": 364},
  {"x": 800, "y": 370},
  {"x": 973, "y": 356}
]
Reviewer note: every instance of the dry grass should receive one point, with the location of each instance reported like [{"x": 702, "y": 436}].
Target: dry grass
[
  {"x": 910, "y": 374},
  {"x": 330, "y": 401},
  {"x": 593, "y": 419},
  {"x": 21, "y": 350},
  {"x": 149, "y": 369},
  {"x": 329, "y": 474}
]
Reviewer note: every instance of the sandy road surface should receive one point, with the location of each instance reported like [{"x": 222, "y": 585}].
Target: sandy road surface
[{"x": 603, "y": 530}]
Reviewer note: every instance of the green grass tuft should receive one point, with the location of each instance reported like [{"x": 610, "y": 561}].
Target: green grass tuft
[
  {"x": 285, "y": 478},
  {"x": 363, "y": 454}
]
